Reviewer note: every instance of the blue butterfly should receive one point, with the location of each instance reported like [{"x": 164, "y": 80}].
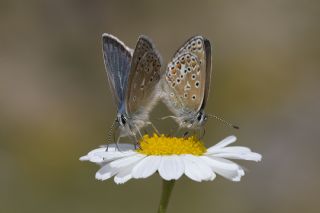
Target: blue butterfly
[{"x": 133, "y": 76}]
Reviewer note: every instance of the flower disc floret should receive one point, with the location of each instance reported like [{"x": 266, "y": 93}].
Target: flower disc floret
[{"x": 163, "y": 145}]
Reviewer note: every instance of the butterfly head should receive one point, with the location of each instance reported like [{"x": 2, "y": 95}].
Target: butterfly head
[
  {"x": 124, "y": 124},
  {"x": 122, "y": 119},
  {"x": 195, "y": 121},
  {"x": 199, "y": 120}
]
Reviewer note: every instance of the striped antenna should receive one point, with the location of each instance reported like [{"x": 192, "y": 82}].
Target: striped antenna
[
  {"x": 111, "y": 131},
  {"x": 223, "y": 121}
]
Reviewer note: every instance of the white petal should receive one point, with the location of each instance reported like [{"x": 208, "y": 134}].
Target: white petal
[
  {"x": 146, "y": 167},
  {"x": 123, "y": 162},
  {"x": 106, "y": 172},
  {"x": 232, "y": 149},
  {"x": 219, "y": 163},
  {"x": 225, "y": 142},
  {"x": 121, "y": 147},
  {"x": 91, "y": 156},
  {"x": 171, "y": 167},
  {"x": 84, "y": 158},
  {"x": 109, "y": 155},
  {"x": 250, "y": 156},
  {"x": 196, "y": 169},
  {"x": 124, "y": 174},
  {"x": 103, "y": 155},
  {"x": 225, "y": 168}
]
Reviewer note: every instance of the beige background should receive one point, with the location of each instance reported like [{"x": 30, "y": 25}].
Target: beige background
[{"x": 56, "y": 104}]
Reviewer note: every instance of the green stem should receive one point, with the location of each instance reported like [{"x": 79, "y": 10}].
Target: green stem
[{"x": 167, "y": 187}]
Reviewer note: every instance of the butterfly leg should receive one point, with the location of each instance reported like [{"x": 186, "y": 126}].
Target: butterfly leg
[
  {"x": 177, "y": 131},
  {"x": 111, "y": 134},
  {"x": 186, "y": 134},
  {"x": 194, "y": 133},
  {"x": 134, "y": 136},
  {"x": 138, "y": 131},
  {"x": 203, "y": 133},
  {"x": 136, "y": 142},
  {"x": 153, "y": 127},
  {"x": 117, "y": 143}
]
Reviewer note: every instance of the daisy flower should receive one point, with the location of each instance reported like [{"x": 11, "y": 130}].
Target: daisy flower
[{"x": 171, "y": 157}]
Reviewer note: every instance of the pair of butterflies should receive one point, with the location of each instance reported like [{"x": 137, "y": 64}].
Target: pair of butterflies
[{"x": 136, "y": 82}]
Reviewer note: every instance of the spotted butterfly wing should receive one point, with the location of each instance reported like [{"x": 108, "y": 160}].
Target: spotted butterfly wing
[
  {"x": 187, "y": 80},
  {"x": 201, "y": 47},
  {"x": 143, "y": 79}
]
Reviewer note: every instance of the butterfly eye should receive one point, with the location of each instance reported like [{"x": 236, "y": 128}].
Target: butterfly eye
[{"x": 123, "y": 120}]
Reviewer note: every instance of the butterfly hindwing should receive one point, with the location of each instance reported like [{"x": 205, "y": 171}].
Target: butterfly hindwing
[
  {"x": 144, "y": 77},
  {"x": 187, "y": 77},
  {"x": 201, "y": 47},
  {"x": 183, "y": 77}
]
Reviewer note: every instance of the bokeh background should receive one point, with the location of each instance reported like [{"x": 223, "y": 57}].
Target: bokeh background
[{"x": 56, "y": 104}]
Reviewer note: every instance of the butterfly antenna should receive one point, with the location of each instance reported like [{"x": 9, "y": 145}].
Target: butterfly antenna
[
  {"x": 223, "y": 121},
  {"x": 166, "y": 117},
  {"x": 111, "y": 131}
]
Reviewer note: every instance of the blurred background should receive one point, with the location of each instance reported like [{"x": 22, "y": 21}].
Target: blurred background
[{"x": 56, "y": 104}]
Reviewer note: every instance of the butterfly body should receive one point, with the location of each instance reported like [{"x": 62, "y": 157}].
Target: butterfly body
[
  {"x": 133, "y": 76},
  {"x": 186, "y": 83}
]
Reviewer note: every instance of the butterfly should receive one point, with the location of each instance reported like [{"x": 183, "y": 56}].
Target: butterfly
[
  {"x": 186, "y": 82},
  {"x": 133, "y": 77}
]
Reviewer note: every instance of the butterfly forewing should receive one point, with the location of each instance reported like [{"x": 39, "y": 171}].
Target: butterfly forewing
[
  {"x": 117, "y": 58},
  {"x": 143, "y": 78},
  {"x": 208, "y": 59}
]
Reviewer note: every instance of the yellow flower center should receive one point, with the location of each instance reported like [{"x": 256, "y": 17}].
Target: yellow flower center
[{"x": 163, "y": 145}]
